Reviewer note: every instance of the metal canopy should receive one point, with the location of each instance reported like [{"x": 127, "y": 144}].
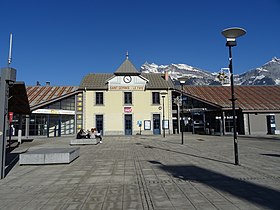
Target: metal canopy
[{"x": 18, "y": 100}]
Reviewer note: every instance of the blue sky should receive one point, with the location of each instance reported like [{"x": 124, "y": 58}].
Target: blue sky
[{"x": 63, "y": 40}]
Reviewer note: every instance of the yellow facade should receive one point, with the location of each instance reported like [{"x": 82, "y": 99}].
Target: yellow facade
[
  {"x": 118, "y": 103},
  {"x": 114, "y": 111}
]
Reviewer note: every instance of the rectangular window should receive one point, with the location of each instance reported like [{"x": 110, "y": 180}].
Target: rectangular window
[
  {"x": 99, "y": 98},
  {"x": 128, "y": 97},
  {"x": 156, "y": 98}
]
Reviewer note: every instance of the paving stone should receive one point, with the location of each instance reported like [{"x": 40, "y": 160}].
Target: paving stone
[{"x": 150, "y": 172}]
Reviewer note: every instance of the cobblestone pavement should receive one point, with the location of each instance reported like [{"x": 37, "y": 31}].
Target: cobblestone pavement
[{"x": 149, "y": 172}]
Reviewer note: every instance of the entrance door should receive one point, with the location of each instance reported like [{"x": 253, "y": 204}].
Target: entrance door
[
  {"x": 99, "y": 123},
  {"x": 156, "y": 124},
  {"x": 128, "y": 124},
  {"x": 54, "y": 126}
]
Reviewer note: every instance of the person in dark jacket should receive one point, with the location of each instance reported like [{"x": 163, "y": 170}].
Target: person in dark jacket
[{"x": 81, "y": 134}]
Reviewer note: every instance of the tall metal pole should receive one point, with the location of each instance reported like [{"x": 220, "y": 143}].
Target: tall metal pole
[
  {"x": 233, "y": 109},
  {"x": 182, "y": 115},
  {"x": 163, "y": 126},
  {"x": 3, "y": 123},
  {"x": 231, "y": 34},
  {"x": 7, "y": 75}
]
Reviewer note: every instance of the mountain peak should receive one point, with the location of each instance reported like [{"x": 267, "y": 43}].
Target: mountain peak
[
  {"x": 274, "y": 59},
  {"x": 267, "y": 74}
]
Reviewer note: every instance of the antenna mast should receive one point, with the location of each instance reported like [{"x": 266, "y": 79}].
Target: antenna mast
[{"x": 10, "y": 50}]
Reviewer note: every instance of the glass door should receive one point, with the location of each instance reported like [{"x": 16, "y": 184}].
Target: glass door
[
  {"x": 156, "y": 124},
  {"x": 99, "y": 123},
  {"x": 128, "y": 124}
]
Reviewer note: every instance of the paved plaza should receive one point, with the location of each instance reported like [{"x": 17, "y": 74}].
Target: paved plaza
[{"x": 148, "y": 172}]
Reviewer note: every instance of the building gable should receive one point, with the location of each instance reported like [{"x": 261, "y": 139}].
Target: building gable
[{"x": 127, "y": 82}]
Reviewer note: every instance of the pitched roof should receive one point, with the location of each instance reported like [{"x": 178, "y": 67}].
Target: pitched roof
[
  {"x": 99, "y": 81},
  {"x": 95, "y": 81},
  {"x": 157, "y": 81},
  {"x": 41, "y": 95},
  {"x": 127, "y": 68},
  {"x": 250, "y": 98}
]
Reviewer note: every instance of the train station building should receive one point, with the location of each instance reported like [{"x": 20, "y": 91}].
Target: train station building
[{"x": 128, "y": 102}]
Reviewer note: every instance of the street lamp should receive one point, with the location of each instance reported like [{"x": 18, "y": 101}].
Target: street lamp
[
  {"x": 231, "y": 34},
  {"x": 163, "y": 115},
  {"x": 182, "y": 82}
]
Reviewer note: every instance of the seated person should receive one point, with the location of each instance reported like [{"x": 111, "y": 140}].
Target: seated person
[
  {"x": 96, "y": 134},
  {"x": 81, "y": 134}
]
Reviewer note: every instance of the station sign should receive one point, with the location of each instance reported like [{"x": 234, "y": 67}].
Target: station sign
[
  {"x": 53, "y": 111},
  {"x": 127, "y": 109}
]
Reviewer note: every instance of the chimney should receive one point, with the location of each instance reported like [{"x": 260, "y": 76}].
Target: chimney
[
  {"x": 166, "y": 75},
  {"x": 48, "y": 83}
]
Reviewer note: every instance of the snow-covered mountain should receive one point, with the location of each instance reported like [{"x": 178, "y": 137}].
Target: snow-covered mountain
[
  {"x": 268, "y": 74},
  {"x": 195, "y": 75}
]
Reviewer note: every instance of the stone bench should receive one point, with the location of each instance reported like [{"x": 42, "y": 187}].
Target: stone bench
[
  {"x": 49, "y": 156},
  {"x": 84, "y": 141}
]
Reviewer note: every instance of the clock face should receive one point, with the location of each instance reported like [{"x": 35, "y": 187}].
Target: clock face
[{"x": 127, "y": 79}]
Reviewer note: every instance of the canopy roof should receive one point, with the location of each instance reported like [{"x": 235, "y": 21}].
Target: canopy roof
[
  {"x": 42, "y": 95},
  {"x": 18, "y": 101},
  {"x": 249, "y": 98}
]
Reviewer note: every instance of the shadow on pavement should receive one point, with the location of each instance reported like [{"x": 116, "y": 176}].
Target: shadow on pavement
[
  {"x": 272, "y": 155},
  {"x": 183, "y": 153},
  {"x": 263, "y": 196},
  {"x": 11, "y": 159},
  {"x": 261, "y": 138}
]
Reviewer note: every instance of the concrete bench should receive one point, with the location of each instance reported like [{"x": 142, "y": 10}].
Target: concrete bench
[
  {"x": 49, "y": 156},
  {"x": 84, "y": 141}
]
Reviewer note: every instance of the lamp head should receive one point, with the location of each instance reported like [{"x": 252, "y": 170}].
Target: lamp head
[
  {"x": 231, "y": 34},
  {"x": 182, "y": 80},
  {"x": 163, "y": 94}
]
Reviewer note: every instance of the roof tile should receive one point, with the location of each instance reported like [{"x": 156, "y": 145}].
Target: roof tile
[
  {"x": 248, "y": 97},
  {"x": 41, "y": 94}
]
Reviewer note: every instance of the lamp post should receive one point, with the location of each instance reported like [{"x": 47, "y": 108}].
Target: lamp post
[
  {"x": 231, "y": 34},
  {"x": 182, "y": 82},
  {"x": 163, "y": 112}
]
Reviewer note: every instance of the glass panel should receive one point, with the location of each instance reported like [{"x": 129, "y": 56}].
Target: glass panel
[
  {"x": 99, "y": 123},
  {"x": 128, "y": 97},
  {"x": 67, "y": 124},
  {"x": 156, "y": 123},
  {"x": 99, "y": 98},
  {"x": 128, "y": 124},
  {"x": 66, "y": 104},
  {"x": 156, "y": 98},
  {"x": 38, "y": 125}
]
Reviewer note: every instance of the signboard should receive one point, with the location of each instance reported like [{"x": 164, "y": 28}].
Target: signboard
[
  {"x": 165, "y": 124},
  {"x": 11, "y": 116},
  {"x": 124, "y": 87},
  {"x": 147, "y": 124},
  {"x": 53, "y": 111},
  {"x": 139, "y": 123},
  {"x": 127, "y": 109}
]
